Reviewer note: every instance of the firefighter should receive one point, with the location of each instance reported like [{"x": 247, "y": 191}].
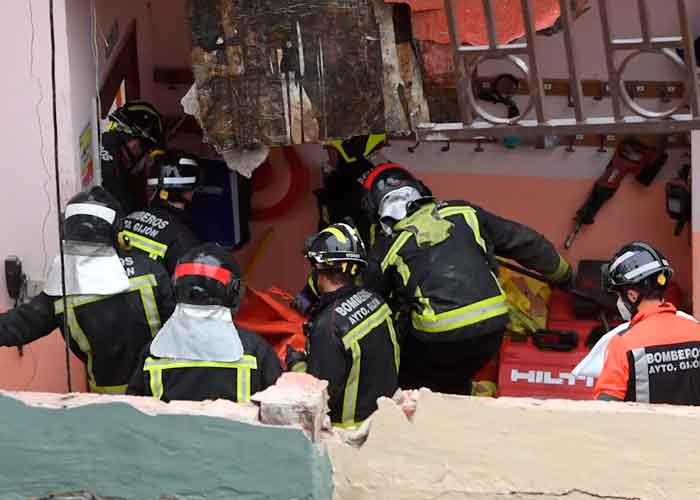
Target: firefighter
[
  {"x": 351, "y": 341},
  {"x": 164, "y": 230},
  {"x": 135, "y": 130},
  {"x": 199, "y": 353},
  {"x": 341, "y": 199},
  {"x": 115, "y": 300},
  {"x": 656, "y": 359},
  {"x": 439, "y": 275},
  {"x": 349, "y": 161}
]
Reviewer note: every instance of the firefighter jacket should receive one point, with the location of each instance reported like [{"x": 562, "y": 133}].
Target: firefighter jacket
[
  {"x": 655, "y": 360},
  {"x": 115, "y": 165},
  {"x": 161, "y": 231},
  {"x": 440, "y": 269},
  {"x": 341, "y": 197},
  {"x": 353, "y": 345},
  {"x": 176, "y": 379},
  {"x": 107, "y": 332}
]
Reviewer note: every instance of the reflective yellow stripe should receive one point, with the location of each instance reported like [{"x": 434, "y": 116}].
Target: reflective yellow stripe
[
  {"x": 338, "y": 144},
  {"x": 403, "y": 270},
  {"x": 144, "y": 285},
  {"x": 347, "y": 425},
  {"x": 373, "y": 141},
  {"x": 394, "y": 341},
  {"x": 470, "y": 218},
  {"x": 560, "y": 271},
  {"x": 372, "y": 235},
  {"x": 464, "y": 316},
  {"x": 312, "y": 285},
  {"x": 369, "y": 324},
  {"x": 154, "y": 249},
  {"x": 156, "y": 376},
  {"x": 243, "y": 367},
  {"x": 299, "y": 367},
  {"x": 351, "y": 386},
  {"x": 395, "y": 248},
  {"x": 107, "y": 389},
  {"x": 335, "y": 232}
]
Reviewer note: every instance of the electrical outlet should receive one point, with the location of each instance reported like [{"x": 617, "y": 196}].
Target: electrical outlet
[{"x": 34, "y": 288}]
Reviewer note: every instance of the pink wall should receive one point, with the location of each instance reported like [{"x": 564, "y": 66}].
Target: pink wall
[
  {"x": 27, "y": 190},
  {"x": 545, "y": 203}
]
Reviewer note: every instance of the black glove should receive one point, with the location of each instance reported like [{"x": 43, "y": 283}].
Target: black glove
[
  {"x": 295, "y": 360},
  {"x": 302, "y": 304}
]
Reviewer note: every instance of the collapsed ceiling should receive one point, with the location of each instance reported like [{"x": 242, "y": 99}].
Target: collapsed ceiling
[{"x": 273, "y": 73}]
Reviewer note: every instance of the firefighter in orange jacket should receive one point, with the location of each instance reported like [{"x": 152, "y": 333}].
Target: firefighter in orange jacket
[{"x": 657, "y": 358}]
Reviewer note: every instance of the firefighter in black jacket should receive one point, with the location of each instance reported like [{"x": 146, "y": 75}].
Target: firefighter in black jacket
[
  {"x": 199, "y": 353},
  {"x": 440, "y": 273},
  {"x": 164, "y": 230},
  {"x": 135, "y": 129},
  {"x": 115, "y": 300},
  {"x": 352, "y": 342}
]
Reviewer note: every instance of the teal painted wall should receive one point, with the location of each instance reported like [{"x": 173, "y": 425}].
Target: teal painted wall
[{"x": 114, "y": 450}]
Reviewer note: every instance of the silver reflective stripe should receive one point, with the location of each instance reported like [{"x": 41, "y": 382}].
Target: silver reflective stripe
[
  {"x": 641, "y": 375},
  {"x": 620, "y": 260},
  {"x": 153, "y": 248},
  {"x": 642, "y": 269},
  {"x": 351, "y": 386},
  {"x": 99, "y": 211},
  {"x": 357, "y": 333}
]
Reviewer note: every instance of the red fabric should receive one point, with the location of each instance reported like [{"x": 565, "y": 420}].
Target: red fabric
[
  {"x": 269, "y": 315},
  {"x": 429, "y": 22},
  {"x": 208, "y": 271}
]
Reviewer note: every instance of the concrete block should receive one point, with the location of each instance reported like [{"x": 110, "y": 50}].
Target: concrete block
[
  {"x": 457, "y": 447},
  {"x": 296, "y": 399}
]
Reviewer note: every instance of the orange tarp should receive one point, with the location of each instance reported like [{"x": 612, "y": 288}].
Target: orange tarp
[{"x": 430, "y": 23}]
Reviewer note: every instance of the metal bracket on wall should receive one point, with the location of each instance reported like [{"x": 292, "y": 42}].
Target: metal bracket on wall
[{"x": 475, "y": 121}]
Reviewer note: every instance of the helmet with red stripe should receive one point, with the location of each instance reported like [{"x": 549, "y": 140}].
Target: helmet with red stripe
[
  {"x": 208, "y": 275},
  {"x": 385, "y": 179}
]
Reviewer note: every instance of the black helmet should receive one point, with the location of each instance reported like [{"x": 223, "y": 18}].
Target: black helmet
[
  {"x": 208, "y": 275},
  {"x": 174, "y": 171},
  {"x": 139, "y": 119},
  {"x": 91, "y": 217},
  {"x": 357, "y": 148},
  {"x": 387, "y": 178},
  {"x": 335, "y": 247},
  {"x": 637, "y": 266}
]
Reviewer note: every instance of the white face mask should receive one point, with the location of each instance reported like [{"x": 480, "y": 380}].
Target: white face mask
[{"x": 623, "y": 309}]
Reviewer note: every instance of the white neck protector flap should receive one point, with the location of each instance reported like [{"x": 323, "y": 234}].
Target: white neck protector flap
[
  {"x": 90, "y": 270},
  {"x": 199, "y": 333}
]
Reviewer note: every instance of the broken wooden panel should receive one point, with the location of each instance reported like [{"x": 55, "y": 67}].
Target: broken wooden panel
[{"x": 276, "y": 73}]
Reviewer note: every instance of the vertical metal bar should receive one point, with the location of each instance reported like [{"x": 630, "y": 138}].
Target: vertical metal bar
[
  {"x": 571, "y": 52},
  {"x": 644, "y": 20},
  {"x": 688, "y": 45},
  {"x": 610, "y": 60},
  {"x": 490, "y": 24},
  {"x": 536, "y": 87},
  {"x": 465, "y": 111}
]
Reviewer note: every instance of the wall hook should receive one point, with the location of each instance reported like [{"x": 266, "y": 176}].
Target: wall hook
[
  {"x": 478, "y": 148},
  {"x": 412, "y": 149},
  {"x": 446, "y": 147},
  {"x": 601, "y": 147},
  {"x": 570, "y": 147}
]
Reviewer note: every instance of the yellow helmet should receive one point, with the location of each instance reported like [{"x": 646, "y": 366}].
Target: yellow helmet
[{"x": 357, "y": 147}]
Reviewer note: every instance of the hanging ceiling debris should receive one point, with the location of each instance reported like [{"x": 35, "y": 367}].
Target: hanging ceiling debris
[{"x": 273, "y": 73}]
